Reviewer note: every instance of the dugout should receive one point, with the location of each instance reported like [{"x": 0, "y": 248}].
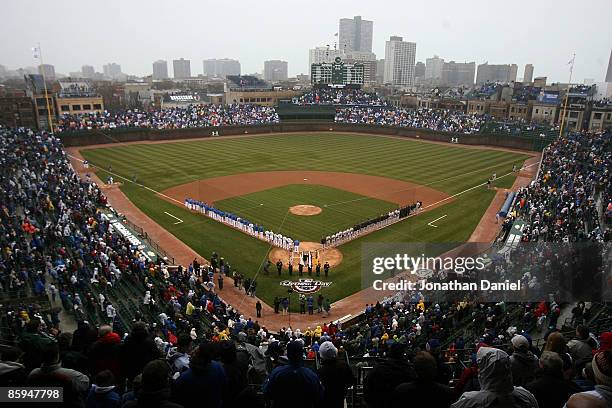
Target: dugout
[{"x": 291, "y": 112}]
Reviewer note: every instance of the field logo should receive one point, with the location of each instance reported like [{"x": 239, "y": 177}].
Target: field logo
[{"x": 305, "y": 286}]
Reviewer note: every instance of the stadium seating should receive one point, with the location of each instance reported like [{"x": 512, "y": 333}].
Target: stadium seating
[{"x": 56, "y": 242}]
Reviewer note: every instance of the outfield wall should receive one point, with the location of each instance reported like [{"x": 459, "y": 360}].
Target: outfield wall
[{"x": 91, "y": 137}]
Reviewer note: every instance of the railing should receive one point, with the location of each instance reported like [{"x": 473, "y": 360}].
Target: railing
[{"x": 153, "y": 244}]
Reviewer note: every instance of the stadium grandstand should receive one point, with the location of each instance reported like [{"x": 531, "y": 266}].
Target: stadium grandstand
[{"x": 157, "y": 333}]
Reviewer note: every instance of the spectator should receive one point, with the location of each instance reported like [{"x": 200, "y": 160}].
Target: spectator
[
  {"x": 580, "y": 348},
  {"x": 336, "y": 377},
  {"x": 385, "y": 376},
  {"x": 12, "y": 373},
  {"x": 293, "y": 385},
  {"x": 424, "y": 390},
  {"x": 155, "y": 391},
  {"x": 51, "y": 374},
  {"x": 102, "y": 393},
  {"x": 105, "y": 352},
  {"x": 602, "y": 395},
  {"x": 203, "y": 384},
  {"x": 178, "y": 357},
  {"x": 32, "y": 342},
  {"x": 524, "y": 364},
  {"x": 549, "y": 388},
  {"x": 137, "y": 350},
  {"x": 496, "y": 389},
  {"x": 555, "y": 342}
]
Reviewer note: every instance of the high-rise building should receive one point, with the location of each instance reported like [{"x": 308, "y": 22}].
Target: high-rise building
[
  {"x": 528, "y": 73},
  {"x": 458, "y": 73},
  {"x": 87, "y": 71},
  {"x": 182, "y": 68},
  {"x": 221, "y": 68},
  {"x": 399, "y": 62},
  {"x": 355, "y": 34},
  {"x": 496, "y": 73},
  {"x": 48, "y": 71},
  {"x": 380, "y": 71},
  {"x": 433, "y": 68},
  {"x": 513, "y": 72},
  {"x": 609, "y": 73},
  {"x": 320, "y": 55},
  {"x": 419, "y": 70},
  {"x": 160, "y": 70},
  {"x": 111, "y": 70},
  {"x": 275, "y": 70}
]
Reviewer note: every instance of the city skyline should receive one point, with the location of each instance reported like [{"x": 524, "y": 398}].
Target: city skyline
[{"x": 457, "y": 33}]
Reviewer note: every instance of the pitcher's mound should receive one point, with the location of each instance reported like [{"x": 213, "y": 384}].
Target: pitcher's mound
[
  {"x": 305, "y": 209},
  {"x": 332, "y": 255}
]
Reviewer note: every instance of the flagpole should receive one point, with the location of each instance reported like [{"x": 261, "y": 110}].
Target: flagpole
[
  {"x": 567, "y": 95},
  {"x": 42, "y": 72}
]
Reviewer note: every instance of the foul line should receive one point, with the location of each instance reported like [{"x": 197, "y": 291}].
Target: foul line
[
  {"x": 437, "y": 219},
  {"x": 176, "y": 218}
]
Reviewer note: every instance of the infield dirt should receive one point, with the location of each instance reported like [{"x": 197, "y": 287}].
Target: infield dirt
[{"x": 383, "y": 188}]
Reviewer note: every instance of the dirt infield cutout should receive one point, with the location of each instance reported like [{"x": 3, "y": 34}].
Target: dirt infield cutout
[
  {"x": 384, "y": 188},
  {"x": 305, "y": 210},
  {"x": 331, "y": 255}
]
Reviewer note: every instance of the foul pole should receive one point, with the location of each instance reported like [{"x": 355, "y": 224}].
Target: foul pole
[{"x": 569, "y": 84}]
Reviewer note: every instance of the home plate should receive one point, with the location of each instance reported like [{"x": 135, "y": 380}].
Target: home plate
[{"x": 305, "y": 179}]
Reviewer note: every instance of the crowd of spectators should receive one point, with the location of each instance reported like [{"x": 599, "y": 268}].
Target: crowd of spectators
[
  {"x": 333, "y": 96},
  {"x": 183, "y": 346},
  {"x": 435, "y": 119},
  {"x": 193, "y": 116}
]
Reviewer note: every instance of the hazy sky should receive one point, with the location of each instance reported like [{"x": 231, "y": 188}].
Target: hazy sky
[{"x": 134, "y": 33}]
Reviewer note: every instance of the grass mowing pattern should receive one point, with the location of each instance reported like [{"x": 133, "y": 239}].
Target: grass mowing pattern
[
  {"x": 276, "y": 202},
  {"x": 447, "y": 168}
]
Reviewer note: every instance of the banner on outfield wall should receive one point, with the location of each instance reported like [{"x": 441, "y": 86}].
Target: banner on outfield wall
[{"x": 306, "y": 286}]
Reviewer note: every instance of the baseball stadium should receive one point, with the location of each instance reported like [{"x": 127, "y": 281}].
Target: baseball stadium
[{"x": 162, "y": 248}]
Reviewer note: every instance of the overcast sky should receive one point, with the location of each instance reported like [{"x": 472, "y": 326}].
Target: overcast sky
[{"x": 134, "y": 33}]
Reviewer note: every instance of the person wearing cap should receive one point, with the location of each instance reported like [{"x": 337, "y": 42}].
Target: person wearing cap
[
  {"x": 496, "y": 389},
  {"x": 549, "y": 388},
  {"x": 524, "y": 363},
  {"x": 293, "y": 385},
  {"x": 424, "y": 391},
  {"x": 601, "y": 396},
  {"x": 335, "y": 375},
  {"x": 385, "y": 376}
]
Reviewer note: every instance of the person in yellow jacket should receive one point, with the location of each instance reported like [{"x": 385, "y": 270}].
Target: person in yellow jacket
[
  {"x": 189, "y": 308},
  {"x": 224, "y": 335},
  {"x": 318, "y": 332}
]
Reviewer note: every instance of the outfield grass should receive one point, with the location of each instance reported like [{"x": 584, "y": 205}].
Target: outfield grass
[
  {"x": 270, "y": 208},
  {"x": 447, "y": 168}
]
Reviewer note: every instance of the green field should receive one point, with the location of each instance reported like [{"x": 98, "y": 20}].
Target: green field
[
  {"x": 447, "y": 168},
  {"x": 270, "y": 208}
]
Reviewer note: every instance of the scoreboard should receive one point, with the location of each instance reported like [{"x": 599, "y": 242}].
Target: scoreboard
[{"x": 337, "y": 73}]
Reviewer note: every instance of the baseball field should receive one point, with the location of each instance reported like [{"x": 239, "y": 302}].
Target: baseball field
[{"x": 348, "y": 177}]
